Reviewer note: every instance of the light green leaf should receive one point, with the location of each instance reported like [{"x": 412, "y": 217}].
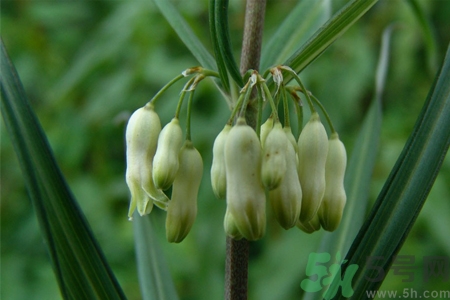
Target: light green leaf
[
  {"x": 186, "y": 34},
  {"x": 78, "y": 262},
  {"x": 304, "y": 19},
  {"x": 154, "y": 277},
  {"x": 406, "y": 188}
]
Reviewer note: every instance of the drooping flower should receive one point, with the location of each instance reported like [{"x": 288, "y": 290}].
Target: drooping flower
[
  {"x": 286, "y": 199},
  {"x": 142, "y": 133},
  {"x": 182, "y": 208},
  {"x": 218, "y": 170},
  {"x": 333, "y": 203},
  {"x": 312, "y": 155},
  {"x": 165, "y": 162},
  {"x": 245, "y": 192},
  {"x": 274, "y": 157}
]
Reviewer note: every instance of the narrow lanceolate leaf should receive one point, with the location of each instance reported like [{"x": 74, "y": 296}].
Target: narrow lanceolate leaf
[
  {"x": 223, "y": 39},
  {"x": 217, "y": 53},
  {"x": 78, "y": 262},
  {"x": 292, "y": 33},
  {"x": 154, "y": 276},
  {"x": 186, "y": 34},
  {"x": 328, "y": 33},
  {"x": 405, "y": 190}
]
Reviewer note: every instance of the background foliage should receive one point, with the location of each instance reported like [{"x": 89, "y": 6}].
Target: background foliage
[{"x": 87, "y": 65}]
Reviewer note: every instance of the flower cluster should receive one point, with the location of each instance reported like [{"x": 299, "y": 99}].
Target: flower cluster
[
  {"x": 158, "y": 159},
  {"x": 302, "y": 178}
]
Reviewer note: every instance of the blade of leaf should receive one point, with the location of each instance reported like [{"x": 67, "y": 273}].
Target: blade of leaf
[
  {"x": 186, "y": 34},
  {"x": 78, "y": 262},
  {"x": 292, "y": 33},
  {"x": 217, "y": 53},
  {"x": 223, "y": 39},
  {"x": 406, "y": 188},
  {"x": 360, "y": 167},
  {"x": 154, "y": 276},
  {"x": 328, "y": 33}
]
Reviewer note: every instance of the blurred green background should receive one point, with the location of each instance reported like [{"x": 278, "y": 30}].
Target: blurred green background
[{"x": 87, "y": 65}]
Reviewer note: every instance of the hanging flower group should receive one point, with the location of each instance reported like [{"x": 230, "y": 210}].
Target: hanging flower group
[{"x": 302, "y": 178}]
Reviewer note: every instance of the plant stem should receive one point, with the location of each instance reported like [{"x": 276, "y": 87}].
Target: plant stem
[
  {"x": 236, "y": 266},
  {"x": 253, "y": 30},
  {"x": 251, "y": 48}
]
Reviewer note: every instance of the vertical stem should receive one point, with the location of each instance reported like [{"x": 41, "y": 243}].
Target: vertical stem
[
  {"x": 253, "y": 31},
  {"x": 236, "y": 265},
  {"x": 251, "y": 47}
]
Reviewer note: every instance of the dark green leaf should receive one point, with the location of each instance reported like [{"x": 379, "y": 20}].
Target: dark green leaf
[
  {"x": 79, "y": 264},
  {"x": 217, "y": 53},
  {"x": 405, "y": 190},
  {"x": 223, "y": 39}
]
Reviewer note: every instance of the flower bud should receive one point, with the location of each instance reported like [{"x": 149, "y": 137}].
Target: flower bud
[
  {"x": 165, "y": 162},
  {"x": 274, "y": 157},
  {"x": 312, "y": 155},
  {"x": 265, "y": 129},
  {"x": 245, "y": 193},
  {"x": 309, "y": 226},
  {"x": 182, "y": 208},
  {"x": 218, "y": 172},
  {"x": 142, "y": 133},
  {"x": 286, "y": 199},
  {"x": 333, "y": 203}
]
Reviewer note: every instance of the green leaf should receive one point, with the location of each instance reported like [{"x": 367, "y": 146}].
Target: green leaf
[
  {"x": 223, "y": 39},
  {"x": 186, "y": 34},
  {"x": 291, "y": 34},
  {"x": 78, "y": 262},
  {"x": 405, "y": 190},
  {"x": 154, "y": 276},
  {"x": 328, "y": 33},
  {"x": 217, "y": 53}
]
